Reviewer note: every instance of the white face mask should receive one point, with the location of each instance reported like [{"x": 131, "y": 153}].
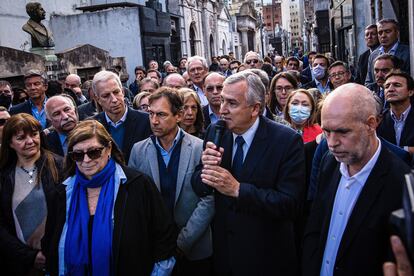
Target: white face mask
[
  {"x": 299, "y": 113},
  {"x": 319, "y": 72}
]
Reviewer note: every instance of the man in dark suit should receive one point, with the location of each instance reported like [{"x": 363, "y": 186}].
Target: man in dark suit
[
  {"x": 61, "y": 112},
  {"x": 126, "y": 126},
  {"x": 359, "y": 185},
  {"x": 371, "y": 40},
  {"x": 258, "y": 181},
  {"x": 397, "y": 124},
  {"x": 306, "y": 74},
  {"x": 35, "y": 82},
  {"x": 213, "y": 84},
  {"x": 388, "y": 35}
]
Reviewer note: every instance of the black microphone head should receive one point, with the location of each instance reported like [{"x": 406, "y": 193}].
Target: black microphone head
[{"x": 221, "y": 124}]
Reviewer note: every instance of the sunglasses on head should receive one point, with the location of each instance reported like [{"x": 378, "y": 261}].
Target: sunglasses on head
[
  {"x": 2, "y": 122},
  {"x": 254, "y": 61},
  {"x": 79, "y": 156}
]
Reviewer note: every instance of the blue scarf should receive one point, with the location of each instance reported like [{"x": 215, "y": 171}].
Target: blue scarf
[{"x": 77, "y": 241}]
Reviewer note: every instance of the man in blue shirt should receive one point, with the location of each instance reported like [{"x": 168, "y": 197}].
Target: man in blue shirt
[{"x": 35, "y": 82}]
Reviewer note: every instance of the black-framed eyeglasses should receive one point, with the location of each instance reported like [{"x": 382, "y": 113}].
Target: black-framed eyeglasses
[
  {"x": 254, "y": 61},
  {"x": 2, "y": 122},
  {"x": 79, "y": 156}
]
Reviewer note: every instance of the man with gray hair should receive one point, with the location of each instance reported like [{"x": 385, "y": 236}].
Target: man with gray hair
[
  {"x": 62, "y": 114},
  {"x": 253, "y": 60},
  {"x": 257, "y": 175},
  {"x": 35, "y": 82},
  {"x": 126, "y": 126},
  {"x": 359, "y": 185},
  {"x": 197, "y": 69},
  {"x": 73, "y": 82},
  {"x": 174, "y": 80}
]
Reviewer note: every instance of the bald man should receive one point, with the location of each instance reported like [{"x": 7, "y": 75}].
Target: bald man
[
  {"x": 213, "y": 85},
  {"x": 174, "y": 80},
  {"x": 359, "y": 185},
  {"x": 73, "y": 82}
]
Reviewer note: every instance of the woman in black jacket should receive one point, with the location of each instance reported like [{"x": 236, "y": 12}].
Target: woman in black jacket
[{"x": 29, "y": 176}]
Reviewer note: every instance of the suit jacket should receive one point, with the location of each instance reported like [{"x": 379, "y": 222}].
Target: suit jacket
[
  {"x": 137, "y": 128},
  {"x": 41, "y": 37},
  {"x": 361, "y": 74},
  {"x": 143, "y": 231},
  {"x": 253, "y": 234},
  {"x": 312, "y": 84},
  {"x": 365, "y": 242},
  {"x": 306, "y": 75},
  {"x": 87, "y": 110},
  {"x": 386, "y": 129},
  {"x": 207, "y": 120},
  {"x": 402, "y": 52},
  {"x": 24, "y": 107},
  {"x": 53, "y": 143},
  {"x": 192, "y": 214}
]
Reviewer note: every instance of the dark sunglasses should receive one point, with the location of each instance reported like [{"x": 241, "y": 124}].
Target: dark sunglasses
[
  {"x": 79, "y": 156},
  {"x": 2, "y": 122},
  {"x": 254, "y": 61}
]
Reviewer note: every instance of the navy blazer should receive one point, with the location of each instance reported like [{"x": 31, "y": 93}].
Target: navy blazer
[
  {"x": 365, "y": 242},
  {"x": 54, "y": 144},
  {"x": 361, "y": 73},
  {"x": 253, "y": 234},
  {"x": 402, "y": 53},
  {"x": 24, "y": 107},
  {"x": 137, "y": 128},
  {"x": 386, "y": 129}
]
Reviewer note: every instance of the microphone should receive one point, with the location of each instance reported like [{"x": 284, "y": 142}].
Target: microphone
[{"x": 218, "y": 132}]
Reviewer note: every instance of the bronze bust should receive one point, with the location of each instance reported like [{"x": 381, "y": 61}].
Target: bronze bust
[{"x": 41, "y": 37}]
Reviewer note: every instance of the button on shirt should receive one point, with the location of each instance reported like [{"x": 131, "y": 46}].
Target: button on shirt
[
  {"x": 200, "y": 93},
  {"x": 399, "y": 124},
  {"x": 120, "y": 122},
  {"x": 39, "y": 115},
  {"x": 248, "y": 139},
  {"x": 347, "y": 194}
]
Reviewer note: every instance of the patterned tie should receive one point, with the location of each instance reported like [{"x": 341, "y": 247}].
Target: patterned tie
[{"x": 238, "y": 158}]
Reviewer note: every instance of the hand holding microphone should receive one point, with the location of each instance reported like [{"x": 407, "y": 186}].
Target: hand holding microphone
[{"x": 213, "y": 153}]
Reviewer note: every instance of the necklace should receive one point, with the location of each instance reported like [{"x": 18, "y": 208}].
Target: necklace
[{"x": 30, "y": 173}]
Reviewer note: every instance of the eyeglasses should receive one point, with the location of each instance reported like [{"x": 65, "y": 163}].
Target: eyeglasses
[
  {"x": 2, "y": 122},
  {"x": 79, "y": 156},
  {"x": 339, "y": 75},
  {"x": 286, "y": 88},
  {"x": 212, "y": 87},
  {"x": 254, "y": 61}
]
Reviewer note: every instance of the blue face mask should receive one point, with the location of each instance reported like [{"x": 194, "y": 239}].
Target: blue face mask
[
  {"x": 299, "y": 113},
  {"x": 318, "y": 72}
]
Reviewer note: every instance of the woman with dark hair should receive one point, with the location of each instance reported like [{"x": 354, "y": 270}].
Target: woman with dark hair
[
  {"x": 280, "y": 87},
  {"x": 193, "y": 119},
  {"x": 112, "y": 220},
  {"x": 29, "y": 177},
  {"x": 301, "y": 113}
]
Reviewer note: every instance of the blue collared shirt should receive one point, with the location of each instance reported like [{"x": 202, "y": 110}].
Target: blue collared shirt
[
  {"x": 162, "y": 268},
  {"x": 390, "y": 51},
  {"x": 323, "y": 89},
  {"x": 200, "y": 93},
  {"x": 248, "y": 137},
  {"x": 120, "y": 122},
  {"x": 166, "y": 154},
  {"x": 63, "y": 137},
  {"x": 399, "y": 123},
  {"x": 347, "y": 194},
  {"x": 39, "y": 115},
  {"x": 213, "y": 117}
]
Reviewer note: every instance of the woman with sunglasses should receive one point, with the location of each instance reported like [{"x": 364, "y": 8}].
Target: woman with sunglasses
[
  {"x": 280, "y": 87},
  {"x": 193, "y": 120},
  {"x": 112, "y": 220},
  {"x": 29, "y": 177}
]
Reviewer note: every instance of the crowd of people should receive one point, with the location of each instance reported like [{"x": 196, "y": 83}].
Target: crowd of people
[{"x": 263, "y": 166}]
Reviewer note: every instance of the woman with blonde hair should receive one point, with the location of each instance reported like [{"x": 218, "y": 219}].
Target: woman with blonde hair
[{"x": 193, "y": 119}]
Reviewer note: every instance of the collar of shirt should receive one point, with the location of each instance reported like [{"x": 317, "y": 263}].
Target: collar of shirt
[
  {"x": 63, "y": 141},
  {"x": 248, "y": 136},
  {"x": 32, "y": 105},
  {"x": 177, "y": 137},
  {"x": 390, "y": 51},
  {"x": 403, "y": 115},
  {"x": 117, "y": 124},
  {"x": 361, "y": 176},
  {"x": 213, "y": 116},
  {"x": 321, "y": 88}
]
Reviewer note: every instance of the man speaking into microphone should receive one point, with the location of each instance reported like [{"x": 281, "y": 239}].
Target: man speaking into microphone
[{"x": 258, "y": 177}]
